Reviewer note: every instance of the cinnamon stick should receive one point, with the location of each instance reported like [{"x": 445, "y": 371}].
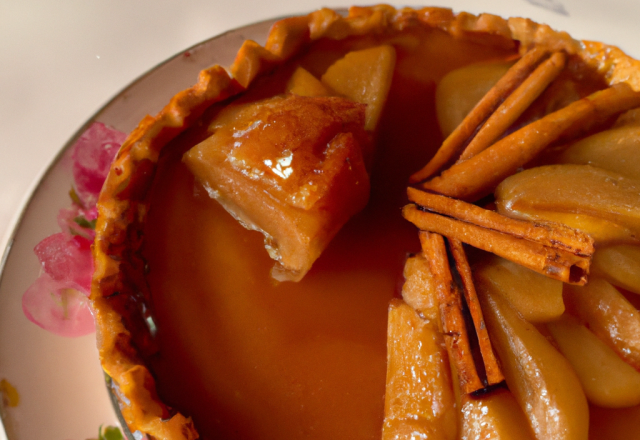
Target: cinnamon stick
[
  {"x": 477, "y": 177},
  {"x": 453, "y": 145},
  {"x": 491, "y": 365},
  {"x": 511, "y": 109},
  {"x": 453, "y": 323},
  {"x": 554, "y": 235},
  {"x": 554, "y": 263}
]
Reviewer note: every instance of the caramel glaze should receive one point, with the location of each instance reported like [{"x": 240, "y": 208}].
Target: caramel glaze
[
  {"x": 251, "y": 359},
  {"x": 614, "y": 424}
]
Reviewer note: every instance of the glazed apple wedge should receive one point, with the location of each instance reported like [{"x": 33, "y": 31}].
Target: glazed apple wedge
[
  {"x": 619, "y": 265},
  {"x": 606, "y": 379},
  {"x": 291, "y": 167},
  {"x": 609, "y": 315},
  {"x": 494, "y": 416},
  {"x": 536, "y": 297},
  {"x": 460, "y": 90},
  {"x": 364, "y": 76},
  {"x": 419, "y": 398},
  {"x": 295, "y": 166},
  {"x": 540, "y": 378},
  {"x": 603, "y": 203},
  {"x": 616, "y": 150},
  {"x": 303, "y": 83}
]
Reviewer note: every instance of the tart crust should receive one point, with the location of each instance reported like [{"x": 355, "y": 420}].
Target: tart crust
[{"x": 119, "y": 290}]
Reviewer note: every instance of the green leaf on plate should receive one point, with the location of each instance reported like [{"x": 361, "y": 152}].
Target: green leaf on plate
[
  {"x": 84, "y": 223},
  {"x": 75, "y": 197},
  {"x": 110, "y": 433}
]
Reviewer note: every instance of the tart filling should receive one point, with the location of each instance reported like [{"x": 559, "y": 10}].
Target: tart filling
[{"x": 181, "y": 292}]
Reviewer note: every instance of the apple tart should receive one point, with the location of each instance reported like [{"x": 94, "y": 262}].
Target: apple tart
[{"x": 259, "y": 274}]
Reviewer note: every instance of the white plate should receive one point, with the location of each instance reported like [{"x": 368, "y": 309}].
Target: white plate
[{"x": 61, "y": 386}]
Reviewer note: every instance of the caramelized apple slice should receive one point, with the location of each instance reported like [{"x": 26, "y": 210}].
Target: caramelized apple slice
[
  {"x": 537, "y": 297},
  {"x": 364, "y": 76},
  {"x": 494, "y": 416},
  {"x": 303, "y": 83},
  {"x": 418, "y": 283},
  {"x": 615, "y": 150},
  {"x": 461, "y": 89},
  {"x": 540, "y": 378},
  {"x": 620, "y": 265},
  {"x": 609, "y": 315},
  {"x": 419, "y": 400},
  {"x": 291, "y": 167},
  {"x": 606, "y": 379},
  {"x": 630, "y": 118},
  {"x": 602, "y": 203}
]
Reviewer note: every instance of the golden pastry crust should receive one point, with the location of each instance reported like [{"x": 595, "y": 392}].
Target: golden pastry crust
[{"x": 119, "y": 290}]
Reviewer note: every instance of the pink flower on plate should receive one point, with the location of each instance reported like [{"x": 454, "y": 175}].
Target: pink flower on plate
[
  {"x": 58, "y": 300},
  {"x": 67, "y": 258},
  {"x": 92, "y": 155},
  {"x": 58, "y": 307},
  {"x": 78, "y": 221}
]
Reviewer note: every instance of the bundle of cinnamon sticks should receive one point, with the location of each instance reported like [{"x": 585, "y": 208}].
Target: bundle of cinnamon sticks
[{"x": 471, "y": 162}]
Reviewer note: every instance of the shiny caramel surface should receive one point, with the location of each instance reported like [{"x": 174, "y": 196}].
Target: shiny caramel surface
[
  {"x": 281, "y": 143},
  {"x": 249, "y": 358},
  {"x": 296, "y": 359},
  {"x": 289, "y": 166}
]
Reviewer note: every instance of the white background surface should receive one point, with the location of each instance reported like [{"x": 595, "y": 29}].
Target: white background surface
[{"x": 62, "y": 60}]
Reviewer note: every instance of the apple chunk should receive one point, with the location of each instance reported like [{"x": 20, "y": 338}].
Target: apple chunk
[
  {"x": 620, "y": 265},
  {"x": 494, "y": 416},
  {"x": 540, "y": 378},
  {"x": 303, "y": 83},
  {"x": 461, "y": 89},
  {"x": 602, "y": 203},
  {"x": 419, "y": 282},
  {"x": 364, "y": 76},
  {"x": 609, "y": 315},
  {"x": 606, "y": 379},
  {"x": 616, "y": 150},
  {"x": 291, "y": 167},
  {"x": 419, "y": 400},
  {"x": 537, "y": 297}
]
